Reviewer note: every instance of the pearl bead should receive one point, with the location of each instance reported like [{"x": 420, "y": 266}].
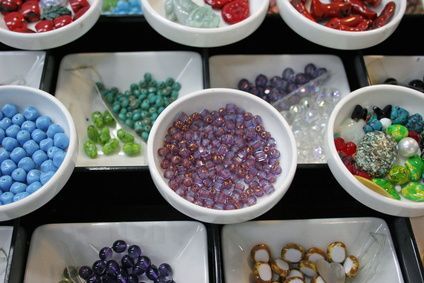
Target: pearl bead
[
  {"x": 408, "y": 147},
  {"x": 386, "y": 122}
]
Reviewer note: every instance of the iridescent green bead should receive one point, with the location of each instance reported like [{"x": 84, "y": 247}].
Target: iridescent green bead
[
  {"x": 97, "y": 119},
  {"x": 134, "y": 87},
  {"x": 104, "y": 135},
  {"x": 145, "y": 136},
  {"x": 136, "y": 116},
  {"x": 154, "y": 116},
  {"x": 124, "y": 136},
  {"x": 152, "y": 110},
  {"x": 143, "y": 91},
  {"x": 413, "y": 191},
  {"x": 176, "y": 86},
  {"x": 162, "y": 85},
  {"x": 108, "y": 119},
  {"x": 147, "y": 128},
  {"x": 110, "y": 147},
  {"x": 125, "y": 102},
  {"x": 93, "y": 134},
  {"x": 398, "y": 175},
  {"x": 132, "y": 149},
  {"x": 129, "y": 115},
  {"x": 146, "y": 121},
  {"x": 152, "y": 89},
  {"x": 130, "y": 123},
  {"x": 415, "y": 165},
  {"x": 144, "y": 114},
  {"x": 138, "y": 126},
  {"x": 90, "y": 149},
  {"x": 134, "y": 104},
  {"x": 116, "y": 107},
  {"x": 148, "y": 77},
  {"x": 122, "y": 116},
  {"x": 397, "y": 132},
  {"x": 145, "y": 105},
  {"x": 387, "y": 186},
  {"x": 170, "y": 81},
  {"x": 167, "y": 91}
]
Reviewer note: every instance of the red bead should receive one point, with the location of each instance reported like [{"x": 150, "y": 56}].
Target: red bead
[
  {"x": 217, "y": 4},
  {"x": 15, "y": 21},
  {"x": 43, "y": 26},
  {"x": 363, "y": 174},
  {"x": 340, "y": 144},
  {"x": 10, "y": 5},
  {"x": 235, "y": 11},
  {"x": 31, "y": 11},
  {"x": 62, "y": 21},
  {"x": 350, "y": 164},
  {"x": 350, "y": 149},
  {"x": 77, "y": 5},
  {"x": 415, "y": 136},
  {"x": 81, "y": 12}
]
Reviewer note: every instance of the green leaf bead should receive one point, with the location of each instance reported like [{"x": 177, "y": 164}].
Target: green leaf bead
[
  {"x": 132, "y": 149},
  {"x": 148, "y": 77},
  {"x": 108, "y": 119},
  {"x": 111, "y": 147},
  {"x": 90, "y": 149},
  {"x": 387, "y": 186},
  {"x": 124, "y": 136},
  {"x": 93, "y": 134},
  {"x": 97, "y": 119},
  {"x": 176, "y": 86},
  {"x": 104, "y": 135}
]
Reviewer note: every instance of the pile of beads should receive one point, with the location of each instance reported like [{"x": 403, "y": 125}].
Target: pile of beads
[
  {"x": 133, "y": 267},
  {"x": 139, "y": 106},
  {"x": 222, "y": 159},
  {"x": 32, "y": 149},
  {"x": 121, "y": 7},
  {"x": 297, "y": 266},
  {"x": 278, "y": 87},
  {"x": 416, "y": 84},
  {"x": 99, "y": 133},
  {"x": 41, "y": 16},
  {"x": 384, "y": 149}
]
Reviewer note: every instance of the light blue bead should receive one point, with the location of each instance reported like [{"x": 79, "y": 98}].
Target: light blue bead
[
  {"x": 5, "y": 183},
  {"x": 39, "y": 157},
  {"x": 43, "y": 122},
  {"x": 122, "y": 5},
  {"x": 6, "y": 197},
  {"x": 27, "y": 164},
  {"x": 28, "y": 126},
  {"x": 4, "y": 154},
  {"x": 23, "y": 136},
  {"x": 33, "y": 176},
  {"x": 31, "y": 188},
  {"x": 9, "y": 143},
  {"x": 2, "y": 134},
  {"x": 7, "y": 167},
  {"x": 52, "y": 150},
  {"x": 18, "y": 187},
  {"x": 12, "y": 131},
  {"x": 20, "y": 196},
  {"x": 47, "y": 166},
  {"x": 9, "y": 110},
  {"x": 1, "y": 115},
  {"x": 58, "y": 158},
  {"x": 61, "y": 141},
  {"x": 54, "y": 129},
  {"x": 17, "y": 154},
  {"x": 38, "y": 135},
  {"x": 45, "y": 176},
  {"x": 18, "y": 119},
  {"x": 46, "y": 144},
  {"x": 5, "y": 123},
  {"x": 134, "y": 3},
  {"x": 31, "y": 113},
  {"x": 19, "y": 175},
  {"x": 31, "y": 147}
]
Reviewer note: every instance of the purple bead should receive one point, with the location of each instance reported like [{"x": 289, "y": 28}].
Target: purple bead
[
  {"x": 94, "y": 279},
  {"x": 319, "y": 72},
  {"x": 132, "y": 278},
  {"x": 119, "y": 246},
  {"x": 112, "y": 268},
  {"x": 288, "y": 74},
  {"x": 134, "y": 251},
  {"x": 310, "y": 69},
  {"x": 99, "y": 267},
  {"x": 105, "y": 253},
  {"x": 127, "y": 261},
  {"x": 152, "y": 272},
  {"x": 261, "y": 80},
  {"x": 85, "y": 272},
  {"x": 144, "y": 262}
]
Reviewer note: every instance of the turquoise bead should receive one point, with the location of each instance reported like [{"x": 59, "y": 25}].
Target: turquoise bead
[
  {"x": 145, "y": 136},
  {"x": 152, "y": 99},
  {"x": 122, "y": 116},
  {"x": 145, "y": 105},
  {"x": 134, "y": 87},
  {"x": 160, "y": 109},
  {"x": 136, "y": 116},
  {"x": 176, "y": 86},
  {"x": 148, "y": 77},
  {"x": 116, "y": 108},
  {"x": 154, "y": 116},
  {"x": 144, "y": 114},
  {"x": 162, "y": 85},
  {"x": 129, "y": 123},
  {"x": 152, "y": 90},
  {"x": 125, "y": 103},
  {"x": 170, "y": 81}
]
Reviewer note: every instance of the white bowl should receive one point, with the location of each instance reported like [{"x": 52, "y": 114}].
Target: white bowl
[
  {"x": 357, "y": 233},
  {"x": 338, "y": 39},
  {"x": 379, "y": 95},
  {"x": 213, "y": 99},
  {"x": 182, "y": 244},
  {"x": 54, "y": 38},
  {"x": 46, "y": 104},
  {"x": 154, "y": 12}
]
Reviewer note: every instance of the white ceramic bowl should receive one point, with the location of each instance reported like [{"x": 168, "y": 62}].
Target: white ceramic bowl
[
  {"x": 154, "y": 12},
  {"x": 46, "y": 104},
  {"x": 379, "y": 95},
  {"x": 213, "y": 99},
  {"x": 338, "y": 39},
  {"x": 54, "y": 38}
]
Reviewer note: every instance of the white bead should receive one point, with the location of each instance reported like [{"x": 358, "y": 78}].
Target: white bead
[
  {"x": 386, "y": 122},
  {"x": 408, "y": 147}
]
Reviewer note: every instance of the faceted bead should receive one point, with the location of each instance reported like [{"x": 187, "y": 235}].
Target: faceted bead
[{"x": 90, "y": 149}]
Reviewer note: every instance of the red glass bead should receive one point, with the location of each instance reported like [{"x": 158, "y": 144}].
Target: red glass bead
[
  {"x": 363, "y": 174},
  {"x": 350, "y": 164},
  {"x": 31, "y": 11},
  {"x": 217, "y": 4},
  {"x": 340, "y": 144},
  {"x": 43, "y": 26},
  {"x": 235, "y": 11},
  {"x": 81, "y": 12},
  {"x": 10, "y": 5},
  {"x": 15, "y": 21},
  {"x": 350, "y": 148},
  {"x": 77, "y": 5},
  {"x": 414, "y": 135},
  {"x": 62, "y": 21}
]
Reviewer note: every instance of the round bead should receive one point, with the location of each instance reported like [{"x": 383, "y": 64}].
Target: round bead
[
  {"x": 33, "y": 187},
  {"x": 30, "y": 147},
  {"x": 408, "y": 147},
  {"x": 105, "y": 253},
  {"x": 85, "y": 272},
  {"x": 6, "y": 197},
  {"x": 39, "y": 157},
  {"x": 18, "y": 119},
  {"x": 31, "y": 113},
  {"x": 52, "y": 151},
  {"x": 413, "y": 191},
  {"x": 5, "y": 183},
  {"x": 23, "y": 136},
  {"x": 7, "y": 167},
  {"x": 19, "y": 175},
  {"x": 165, "y": 270},
  {"x": 398, "y": 175},
  {"x": 5, "y": 123},
  {"x": 12, "y": 131},
  {"x": 26, "y": 163},
  {"x": 58, "y": 158},
  {"x": 134, "y": 251},
  {"x": 47, "y": 166},
  {"x": 119, "y": 246},
  {"x": 99, "y": 267},
  {"x": 54, "y": 129},
  {"x": 38, "y": 135},
  {"x": 46, "y": 144},
  {"x": 415, "y": 165},
  {"x": 9, "y": 143},
  {"x": 397, "y": 132},
  {"x": 18, "y": 187},
  {"x": 28, "y": 126},
  {"x": 20, "y": 196},
  {"x": 17, "y": 154},
  {"x": 9, "y": 110},
  {"x": 152, "y": 272},
  {"x": 33, "y": 176}
]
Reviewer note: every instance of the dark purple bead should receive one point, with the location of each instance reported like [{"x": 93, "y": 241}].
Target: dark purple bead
[
  {"x": 132, "y": 278},
  {"x": 310, "y": 69},
  {"x": 107, "y": 279},
  {"x": 261, "y": 80},
  {"x": 319, "y": 72},
  {"x": 85, "y": 272},
  {"x": 134, "y": 251},
  {"x": 254, "y": 90},
  {"x": 301, "y": 79},
  {"x": 152, "y": 272},
  {"x": 144, "y": 262},
  {"x": 112, "y": 268},
  {"x": 243, "y": 85},
  {"x": 122, "y": 278},
  {"x": 288, "y": 74},
  {"x": 119, "y": 246},
  {"x": 291, "y": 87},
  {"x": 105, "y": 253},
  {"x": 94, "y": 279},
  {"x": 99, "y": 267},
  {"x": 127, "y": 261}
]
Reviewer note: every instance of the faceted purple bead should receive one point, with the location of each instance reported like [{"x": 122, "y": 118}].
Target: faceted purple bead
[
  {"x": 85, "y": 272},
  {"x": 119, "y": 246},
  {"x": 127, "y": 261},
  {"x": 105, "y": 253},
  {"x": 112, "y": 268},
  {"x": 165, "y": 270},
  {"x": 99, "y": 267},
  {"x": 152, "y": 272}
]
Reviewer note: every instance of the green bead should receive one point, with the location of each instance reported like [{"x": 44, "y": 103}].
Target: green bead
[
  {"x": 152, "y": 99},
  {"x": 152, "y": 83},
  {"x": 138, "y": 126},
  {"x": 415, "y": 165},
  {"x": 90, "y": 149},
  {"x": 388, "y": 187},
  {"x": 124, "y": 136},
  {"x": 154, "y": 116},
  {"x": 93, "y": 134},
  {"x": 122, "y": 116},
  {"x": 142, "y": 97},
  {"x": 137, "y": 92},
  {"x": 174, "y": 94},
  {"x": 132, "y": 149},
  {"x": 130, "y": 123},
  {"x": 142, "y": 84},
  {"x": 97, "y": 119},
  {"x": 145, "y": 136},
  {"x": 125, "y": 103},
  {"x": 398, "y": 175},
  {"x": 116, "y": 108},
  {"x": 170, "y": 81},
  {"x": 397, "y": 132},
  {"x": 104, "y": 135},
  {"x": 143, "y": 91},
  {"x": 134, "y": 104},
  {"x": 145, "y": 105},
  {"x": 147, "y": 128},
  {"x": 127, "y": 93},
  {"x": 176, "y": 86},
  {"x": 144, "y": 114},
  {"x": 108, "y": 119},
  {"x": 134, "y": 87},
  {"x": 129, "y": 115},
  {"x": 148, "y": 77},
  {"x": 136, "y": 116},
  {"x": 124, "y": 110},
  {"x": 167, "y": 91},
  {"x": 147, "y": 121},
  {"x": 109, "y": 97},
  {"x": 160, "y": 109},
  {"x": 162, "y": 85},
  {"x": 152, "y": 110},
  {"x": 152, "y": 90},
  {"x": 159, "y": 102},
  {"x": 110, "y": 147},
  {"x": 413, "y": 191}
]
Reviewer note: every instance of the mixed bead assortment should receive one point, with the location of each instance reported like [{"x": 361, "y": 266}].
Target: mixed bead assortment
[
  {"x": 384, "y": 149},
  {"x": 416, "y": 84},
  {"x": 223, "y": 159},
  {"x": 125, "y": 263},
  {"x": 188, "y": 13},
  {"x": 99, "y": 133},
  {"x": 347, "y": 15},
  {"x": 297, "y": 265},
  {"x": 138, "y": 107},
  {"x": 32, "y": 149},
  {"x": 121, "y": 7},
  {"x": 41, "y": 15}
]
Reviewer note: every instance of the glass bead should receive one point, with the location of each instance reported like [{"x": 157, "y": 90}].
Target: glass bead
[
  {"x": 105, "y": 253},
  {"x": 111, "y": 146},
  {"x": 90, "y": 149},
  {"x": 119, "y": 246},
  {"x": 132, "y": 149},
  {"x": 97, "y": 119},
  {"x": 108, "y": 119},
  {"x": 134, "y": 251},
  {"x": 85, "y": 272}
]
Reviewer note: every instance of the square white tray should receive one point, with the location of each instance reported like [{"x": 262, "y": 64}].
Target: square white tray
[
  {"x": 75, "y": 88},
  {"x": 183, "y": 245},
  {"x": 237, "y": 241}
]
